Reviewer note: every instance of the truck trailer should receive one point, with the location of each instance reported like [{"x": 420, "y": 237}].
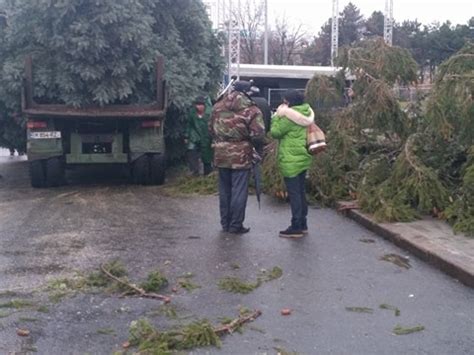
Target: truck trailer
[{"x": 61, "y": 136}]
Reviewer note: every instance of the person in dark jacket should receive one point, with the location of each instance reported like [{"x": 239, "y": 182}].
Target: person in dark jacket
[
  {"x": 262, "y": 104},
  {"x": 197, "y": 136},
  {"x": 289, "y": 126},
  {"x": 236, "y": 127}
]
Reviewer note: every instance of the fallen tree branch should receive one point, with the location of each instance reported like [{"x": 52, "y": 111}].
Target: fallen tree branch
[
  {"x": 137, "y": 290},
  {"x": 237, "y": 323}
]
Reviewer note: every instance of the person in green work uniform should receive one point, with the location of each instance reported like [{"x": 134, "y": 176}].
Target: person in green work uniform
[
  {"x": 197, "y": 136},
  {"x": 289, "y": 126}
]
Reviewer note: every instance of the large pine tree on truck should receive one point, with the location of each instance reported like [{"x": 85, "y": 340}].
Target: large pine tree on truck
[{"x": 87, "y": 52}]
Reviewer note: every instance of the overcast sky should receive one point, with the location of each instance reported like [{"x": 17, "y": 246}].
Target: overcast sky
[{"x": 313, "y": 13}]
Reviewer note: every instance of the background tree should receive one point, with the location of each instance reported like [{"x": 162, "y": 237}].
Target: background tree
[
  {"x": 319, "y": 50},
  {"x": 411, "y": 35},
  {"x": 286, "y": 43},
  {"x": 374, "y": 25},
  {"x": 429, "y": 44},
  {"x": 442, "y": 41},
  {"x": 350, "y": 25},
  {"x": 250, "y": 17}
]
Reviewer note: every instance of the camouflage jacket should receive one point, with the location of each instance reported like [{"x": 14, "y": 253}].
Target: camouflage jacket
[{"x": 236, "y": 125}]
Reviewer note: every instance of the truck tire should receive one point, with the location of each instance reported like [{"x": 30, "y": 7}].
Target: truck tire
[
  {"x": 37, "y": 174},
  {"x": 141, "y": 171},
  {"x": 54, "y": 172},
  {"x": 157, "y": 169}
]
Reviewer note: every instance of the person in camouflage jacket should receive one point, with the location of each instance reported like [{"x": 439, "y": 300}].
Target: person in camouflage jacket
[{"x": 237, "y": 128}]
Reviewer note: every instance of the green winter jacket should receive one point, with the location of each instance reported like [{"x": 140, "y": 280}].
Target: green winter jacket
[
  {"x": 289, "y": 126},
  {"x": 197, "y": 133}
]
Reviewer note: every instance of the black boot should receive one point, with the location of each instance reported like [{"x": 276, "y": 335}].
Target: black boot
[{"x": 291, "y": 232}]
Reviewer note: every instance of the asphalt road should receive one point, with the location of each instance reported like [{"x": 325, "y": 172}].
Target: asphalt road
[{"x": 55, "y": 233}]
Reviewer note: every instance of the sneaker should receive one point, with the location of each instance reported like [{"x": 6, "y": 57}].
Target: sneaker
[
  {"x": 304, "y": 231},
  {"x": 241, "y": 230},
  {"x": 291, "y": 233}
]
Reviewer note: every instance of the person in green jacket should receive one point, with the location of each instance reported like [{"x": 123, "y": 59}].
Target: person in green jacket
[
  {"x": 197, "y": 136},
  {"x": 289, "y": 126}
]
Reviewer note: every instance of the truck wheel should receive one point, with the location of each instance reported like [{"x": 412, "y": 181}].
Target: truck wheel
[
  {"x": 141, "y": 171},
  {"x": 54, "y": 172},
  {"x": 157, "y": 169},
  {"x": 37, "y": 174}
]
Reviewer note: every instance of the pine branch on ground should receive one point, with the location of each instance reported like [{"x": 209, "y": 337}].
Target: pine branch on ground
[
  {"x": 411, "y": 188},
  {"x": 273, "y": 183},
  {"x": 451, "y": 104},
  {"x": 333, "y": 174},
  {"x": 377, "y": 60},
  {"x": 200, "y": 333},
  {"x": 461, "y": 212}
]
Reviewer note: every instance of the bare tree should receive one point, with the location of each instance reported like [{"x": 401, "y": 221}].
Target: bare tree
[
  {"x": 250, "y": 17},
  {"x": 286, "y": 43}
]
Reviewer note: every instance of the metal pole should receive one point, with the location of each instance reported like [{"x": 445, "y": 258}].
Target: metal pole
[
  {"x": 334, "y": 31},
  {"x": 230, "y": 26},
  {"x": 388, "y": 22},
  {"x": 234, "y": 39},
  {"x": 265, "y": 43},
  {"x": 222, "y": 27}
]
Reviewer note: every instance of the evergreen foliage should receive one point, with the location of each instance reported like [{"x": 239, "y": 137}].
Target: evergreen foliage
[
  {"x": 377, "y": 60},
  {"x": 155, "y": 281},
  {"x": 461, "y": 212},
  {"x": 373, "y": 124},
  {"x": 411, "y": 188},
  {"x": 323, "y": 93},
  {"x": 152, "y": 341},
  {"x": 333, "y": 174},
  {"x": 451, "y": 105},
  {"x": 273, "y": 182},
  {"x": 89, "y": 52},
  {"x": 398, "y": 163},
  {"x": 349, "y": 25},
  {"x": 428, "y": 175},
  {"x": 429, "y": 44}
]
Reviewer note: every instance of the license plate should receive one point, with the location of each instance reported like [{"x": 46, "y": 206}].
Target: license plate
[{"x": 45, "y": 135}]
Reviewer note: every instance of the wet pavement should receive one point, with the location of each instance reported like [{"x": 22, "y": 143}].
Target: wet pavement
[{"x": 55, "y": 233}]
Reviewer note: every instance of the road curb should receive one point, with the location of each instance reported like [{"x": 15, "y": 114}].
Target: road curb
[{"x": 419, "y": 245}]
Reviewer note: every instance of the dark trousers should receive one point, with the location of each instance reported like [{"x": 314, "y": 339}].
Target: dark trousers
[
  {"x": 207, "y": 168},
  {"x": 233, "y": 193},
  {"x": 297, "y": 195},
  {"x": 192, "y": 156}
]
